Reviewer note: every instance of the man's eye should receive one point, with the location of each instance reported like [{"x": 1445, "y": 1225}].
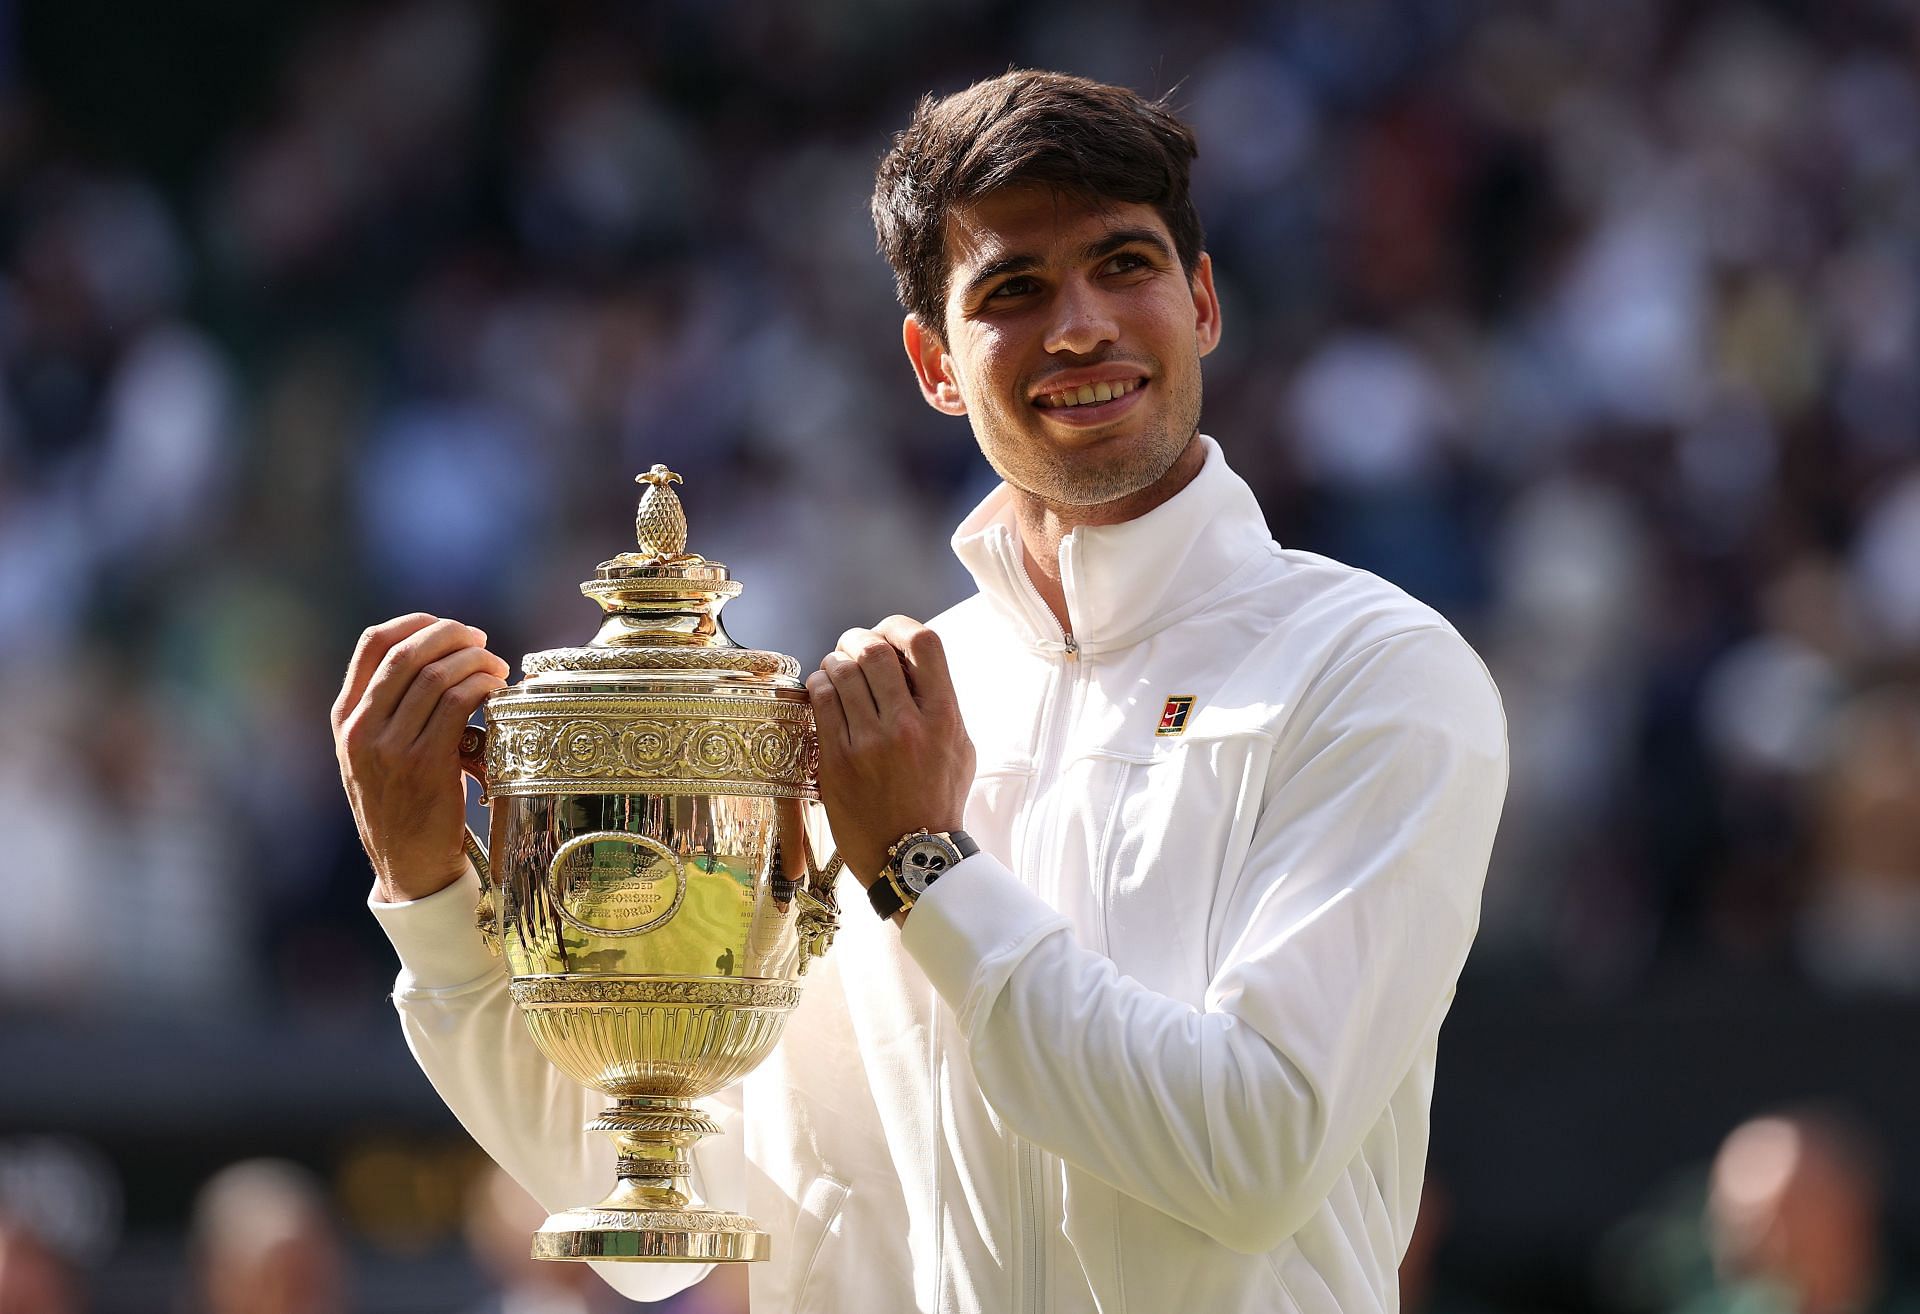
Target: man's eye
[
  {"x": 1013, "y": 287},
  {"x": 1126, "y": 262}
]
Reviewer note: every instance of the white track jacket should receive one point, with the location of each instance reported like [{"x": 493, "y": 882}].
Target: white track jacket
[{"x": 1167, "y": 1043}]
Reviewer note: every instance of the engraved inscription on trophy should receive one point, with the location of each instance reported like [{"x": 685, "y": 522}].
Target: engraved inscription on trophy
[{"x": 616, "y": 883}]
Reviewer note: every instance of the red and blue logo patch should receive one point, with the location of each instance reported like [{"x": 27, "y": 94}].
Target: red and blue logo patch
[{"x": 1173, "y": 719}]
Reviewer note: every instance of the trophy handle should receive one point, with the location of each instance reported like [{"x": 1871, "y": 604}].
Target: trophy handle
[
  {"x": 477, "y": 855},
  {"x": 821, "y": 878},
  {"x": 473, "y": 757},
  {"x": 819, "y": 910},
  {"x": 473, "y": 761}
]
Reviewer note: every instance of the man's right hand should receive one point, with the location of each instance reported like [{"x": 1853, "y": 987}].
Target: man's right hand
[{"x": 410, "y": 688}]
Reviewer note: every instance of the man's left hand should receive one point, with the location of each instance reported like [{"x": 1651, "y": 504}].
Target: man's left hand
[{"x": 894, "y": 755}]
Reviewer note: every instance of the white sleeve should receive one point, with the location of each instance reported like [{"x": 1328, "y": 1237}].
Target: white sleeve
[
  {"x": 468, "y": 1037},
  {"x": 1344, "y": 938}
]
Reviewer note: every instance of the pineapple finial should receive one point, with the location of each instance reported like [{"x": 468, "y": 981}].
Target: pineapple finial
[{"x": 660, "y": 525}]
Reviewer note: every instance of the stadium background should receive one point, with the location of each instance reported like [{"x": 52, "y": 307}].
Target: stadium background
[{"x": 1592, "y": 323}]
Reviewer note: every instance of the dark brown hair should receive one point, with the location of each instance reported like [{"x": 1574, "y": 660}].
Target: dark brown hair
[{"x": 1025, "y": 128}]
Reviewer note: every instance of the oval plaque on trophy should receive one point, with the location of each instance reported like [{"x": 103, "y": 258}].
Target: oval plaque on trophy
[{"x": 612, "y": 882}]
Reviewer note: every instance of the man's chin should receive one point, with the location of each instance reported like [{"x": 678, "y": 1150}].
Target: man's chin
[{"x": 1088, "y": 489}]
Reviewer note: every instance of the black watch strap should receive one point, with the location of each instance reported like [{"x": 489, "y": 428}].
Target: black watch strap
[{"x": 886, "y": 897}]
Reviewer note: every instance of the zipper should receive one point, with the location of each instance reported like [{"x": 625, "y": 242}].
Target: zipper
[
  {"x": 1033, "y": 1187},
  {"x": 1031, "y": 1183}
]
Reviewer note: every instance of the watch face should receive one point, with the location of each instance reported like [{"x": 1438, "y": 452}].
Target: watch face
[{"x": 923, "y": 860}]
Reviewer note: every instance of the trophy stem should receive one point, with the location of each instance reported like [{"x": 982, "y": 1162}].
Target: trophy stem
[
  {"x": 653, "y": 1137},
  {"x": 651, "y": 1213}
]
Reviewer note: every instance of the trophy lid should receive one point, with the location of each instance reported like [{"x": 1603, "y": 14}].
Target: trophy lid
[{"x": 662, "y": 605}]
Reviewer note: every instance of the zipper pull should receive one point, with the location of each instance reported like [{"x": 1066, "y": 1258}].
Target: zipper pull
[{"x": 1073, "y": 648}]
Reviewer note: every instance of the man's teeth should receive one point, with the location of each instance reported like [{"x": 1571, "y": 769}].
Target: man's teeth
[{"x": 1088, "y": 393}]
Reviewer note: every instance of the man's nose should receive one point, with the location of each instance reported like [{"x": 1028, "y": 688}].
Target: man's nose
[{"x": 1082, "y": 321}]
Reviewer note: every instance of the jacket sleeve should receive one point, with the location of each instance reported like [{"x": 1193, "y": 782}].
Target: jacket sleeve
[
  {"x": 464, "y": 1031},
  {"x": 1342, "y": 941}
]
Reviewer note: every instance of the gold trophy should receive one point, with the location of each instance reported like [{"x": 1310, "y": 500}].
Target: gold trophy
[{"x": 649, "y": 875}]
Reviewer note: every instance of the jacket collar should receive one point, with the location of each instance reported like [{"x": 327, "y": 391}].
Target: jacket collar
[{"x": 1126, "y": 581}]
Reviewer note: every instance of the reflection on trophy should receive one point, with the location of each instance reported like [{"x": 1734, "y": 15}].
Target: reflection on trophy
[{"x": 649, "y": 876}]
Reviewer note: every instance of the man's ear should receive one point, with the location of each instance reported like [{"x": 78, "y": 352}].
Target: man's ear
[
  {"x": 1206, "y": 305},
  {"x": 932, "y": 365}
]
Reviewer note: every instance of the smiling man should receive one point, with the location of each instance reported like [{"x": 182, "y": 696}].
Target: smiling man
[{"x": 1174, "y": 837}]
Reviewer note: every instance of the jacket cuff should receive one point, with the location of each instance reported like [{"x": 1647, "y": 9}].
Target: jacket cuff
[
  {"x": 971, "y": 929},
  {"x": 440, "y": 948}
]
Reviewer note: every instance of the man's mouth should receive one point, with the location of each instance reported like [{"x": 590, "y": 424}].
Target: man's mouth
[{"x": 1087, "y": 394}]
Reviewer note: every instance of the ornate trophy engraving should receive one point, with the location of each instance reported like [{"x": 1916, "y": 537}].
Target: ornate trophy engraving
[{"x": 649, "y": 877}]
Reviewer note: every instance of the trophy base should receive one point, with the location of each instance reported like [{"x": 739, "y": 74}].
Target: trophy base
[{"x": 688, "y": 1236}]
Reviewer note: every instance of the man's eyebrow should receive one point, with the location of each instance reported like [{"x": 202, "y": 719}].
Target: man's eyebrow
[
  {"x": 1017, "y": 263},
  {"x": 1123, "y": 237}
]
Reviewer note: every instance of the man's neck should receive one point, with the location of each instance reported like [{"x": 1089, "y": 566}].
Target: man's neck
[{"x": 1044, "y": 524}]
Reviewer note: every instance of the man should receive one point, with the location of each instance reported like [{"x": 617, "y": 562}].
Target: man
[
  {"x": 265, "y": 1242},
  {"x": 34, "y": 1277},
  {"x": 1793, "y": 1220},
  {"x": 1166, "y": 1041}
]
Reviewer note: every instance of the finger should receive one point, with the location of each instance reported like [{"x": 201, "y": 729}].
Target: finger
[
  {"x": 830, "y": 722},
  {"x": 423, "y": 695},
  {"x": 375, "y": 641},
  {"x": 926, "y": 660},
  {"x": 879, "y": 661},
  {"x": 407, "y": 658},
  {"x": 440, "y": 740},
  {"x": 856, "y": 696}
]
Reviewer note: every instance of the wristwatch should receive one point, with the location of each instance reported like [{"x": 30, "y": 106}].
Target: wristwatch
[{"x": 916, "y": 861}]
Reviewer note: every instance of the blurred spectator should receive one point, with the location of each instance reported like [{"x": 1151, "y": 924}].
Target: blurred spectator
[
  {"x": 1793, "y": 1220},
  {"x": 264, "y": 1241},
  {"x": 103, "y": 793},
  {"x": 34, "y": 1278},
  {"x": 1424, "y": 1287},
  {"x": 501, "y": 1221},
  {"x": 1862, "y": 927},
  {"x": 1884, "y": 555},
  {"x": 60, "y": 1207}
]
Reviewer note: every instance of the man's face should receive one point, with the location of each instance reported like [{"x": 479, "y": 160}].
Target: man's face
[{"x": 1053, "y": 302}]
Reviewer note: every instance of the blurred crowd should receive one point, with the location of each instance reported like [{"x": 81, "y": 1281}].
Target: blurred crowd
[
  {"x": 1787, "y": 1219},
  {"x": 1594, "y": 323},
  {"x": 267, "y": 1236}
]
